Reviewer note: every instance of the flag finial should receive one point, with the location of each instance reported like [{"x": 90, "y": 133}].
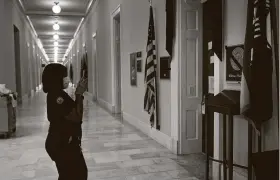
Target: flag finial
[{"x": 150, "y": 1}]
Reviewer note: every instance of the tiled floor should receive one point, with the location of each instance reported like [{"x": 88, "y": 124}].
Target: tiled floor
[{"x": 113, "y": 150}]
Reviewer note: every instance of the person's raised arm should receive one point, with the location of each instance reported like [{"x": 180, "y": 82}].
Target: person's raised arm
[{"x": 76, "y": 114}]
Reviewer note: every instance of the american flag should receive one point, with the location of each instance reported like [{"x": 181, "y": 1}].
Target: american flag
[
  {"x": 256, "y": 101},
  {"x": 150, "y": 72}
]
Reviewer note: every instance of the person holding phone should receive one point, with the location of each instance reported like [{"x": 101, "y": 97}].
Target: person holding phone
[{"x": 63, "y": 143}]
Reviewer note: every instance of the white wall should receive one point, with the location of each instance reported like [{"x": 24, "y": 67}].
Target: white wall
[
  {"x": 134, "y": 25},
  {"x": 29, "y": 56},
  {"x": 7, "y": 68},
  {"x": 10, "y": 15}
]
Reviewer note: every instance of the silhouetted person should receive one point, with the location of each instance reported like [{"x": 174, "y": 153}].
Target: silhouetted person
[{"x": 63, "y": 143}]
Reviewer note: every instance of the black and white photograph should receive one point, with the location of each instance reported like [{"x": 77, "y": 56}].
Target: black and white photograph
[
  {"x": 133, "y": 69},
  {"x": 139, "y": 54},
  {"x": 139, "y": 65},
  {"x": 139, "y": 89}
]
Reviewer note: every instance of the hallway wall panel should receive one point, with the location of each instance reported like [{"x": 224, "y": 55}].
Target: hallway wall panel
[
  {"x": 30, "y": 64},
  {"x": 7, "y": 68}
]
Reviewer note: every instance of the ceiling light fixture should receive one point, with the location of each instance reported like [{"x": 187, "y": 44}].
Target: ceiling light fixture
[
  {"x": 56, "y": 8},
  {"x": 55, "y": 43},
  {"x": 56, "y": 26},
  {"x": 56, "y": 37},
  {"x": 55, "y": 48}
]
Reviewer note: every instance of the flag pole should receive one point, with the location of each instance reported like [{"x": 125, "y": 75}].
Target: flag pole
[
  {"x": 274, "y": 41},
  {"x": 247, "y": 57},
  {"x": 156, "y": 80},
  {"x": 275, "y": 46}
]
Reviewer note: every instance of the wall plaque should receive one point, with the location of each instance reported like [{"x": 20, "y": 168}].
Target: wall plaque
[{"x": 234, "y": 62}]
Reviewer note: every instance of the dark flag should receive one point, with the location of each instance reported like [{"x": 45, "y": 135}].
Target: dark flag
[
  {"x": 170, "y": 8},
  {"x": 150, "y": 98},
  {"x": 256, "y": 101},
  {"x": 71, "y": 73},
  {"x": 84, "y": 67}
]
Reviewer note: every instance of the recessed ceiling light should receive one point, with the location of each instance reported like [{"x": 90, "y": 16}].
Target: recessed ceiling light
[
  {"x": 56, "y": 37},
  {"x": 56, "y": 8},
  {"x": 55, "y": 48},
  {"x": 56, "y": 26},
  {"x": 55, "y": 43}
]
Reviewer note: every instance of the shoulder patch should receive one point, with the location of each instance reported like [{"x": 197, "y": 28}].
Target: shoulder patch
[{"x": 59, "y": 100}]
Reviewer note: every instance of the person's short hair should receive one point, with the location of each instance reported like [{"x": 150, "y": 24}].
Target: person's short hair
[{"x": 52, "y": 77}]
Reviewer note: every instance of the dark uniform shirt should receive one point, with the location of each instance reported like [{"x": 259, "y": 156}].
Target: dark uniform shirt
[{"x": 59, "y": 105}]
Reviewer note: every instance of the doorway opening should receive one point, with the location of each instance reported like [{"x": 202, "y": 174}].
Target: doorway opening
[
  {"x": 95, "y": 69},
  {"x": 116, "y": 61},
  {"x": 190, "y": 135},
  {"x": 194, "y": 76},
  {"x": 17, "y": 63}
]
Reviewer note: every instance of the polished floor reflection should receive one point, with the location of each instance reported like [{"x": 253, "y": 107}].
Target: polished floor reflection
[{"x": 113, "y": 149}]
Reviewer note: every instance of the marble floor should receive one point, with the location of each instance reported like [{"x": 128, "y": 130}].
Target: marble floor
[{"x": 113, "y": 149}]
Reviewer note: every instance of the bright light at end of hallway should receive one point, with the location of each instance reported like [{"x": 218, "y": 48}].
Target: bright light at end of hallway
[
  {"x": 56, "y": 37},
  {"x": 56, "y": 26}
]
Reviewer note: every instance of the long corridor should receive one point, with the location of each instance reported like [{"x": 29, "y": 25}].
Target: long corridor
[{"x": 113, "y": 149}]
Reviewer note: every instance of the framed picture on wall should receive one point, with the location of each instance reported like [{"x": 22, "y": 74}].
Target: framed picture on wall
[
  {"x": 234, "y": 61},
  {"x": 139, "y": 65},
  {"x": 133, "y": 69}
]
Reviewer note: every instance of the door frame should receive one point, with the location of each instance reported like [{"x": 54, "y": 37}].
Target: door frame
[
  {"x": 181, "y": 69},
  {"x": 17, "y": 52},
  {"x": 114, "y": 62},
  {"x": 95, "y": 70}
]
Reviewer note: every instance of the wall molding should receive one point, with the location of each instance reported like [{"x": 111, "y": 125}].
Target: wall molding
[
  {"x": 104, "y": 104},
  {"x": 158, "y": 136},
  {"x": 114, "y": 76}
]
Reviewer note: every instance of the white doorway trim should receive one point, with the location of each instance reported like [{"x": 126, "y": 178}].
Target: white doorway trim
[
  {"x": 116, "y": 12},
  {"x": 176, "y": 84},
  {"x": 95, "y": 66}
]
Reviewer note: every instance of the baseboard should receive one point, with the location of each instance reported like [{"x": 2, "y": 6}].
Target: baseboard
[
  {"x": 158, "y": 136},
  {"x": 105, "y": 105},
  {"x": 218, "y": 174}
]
